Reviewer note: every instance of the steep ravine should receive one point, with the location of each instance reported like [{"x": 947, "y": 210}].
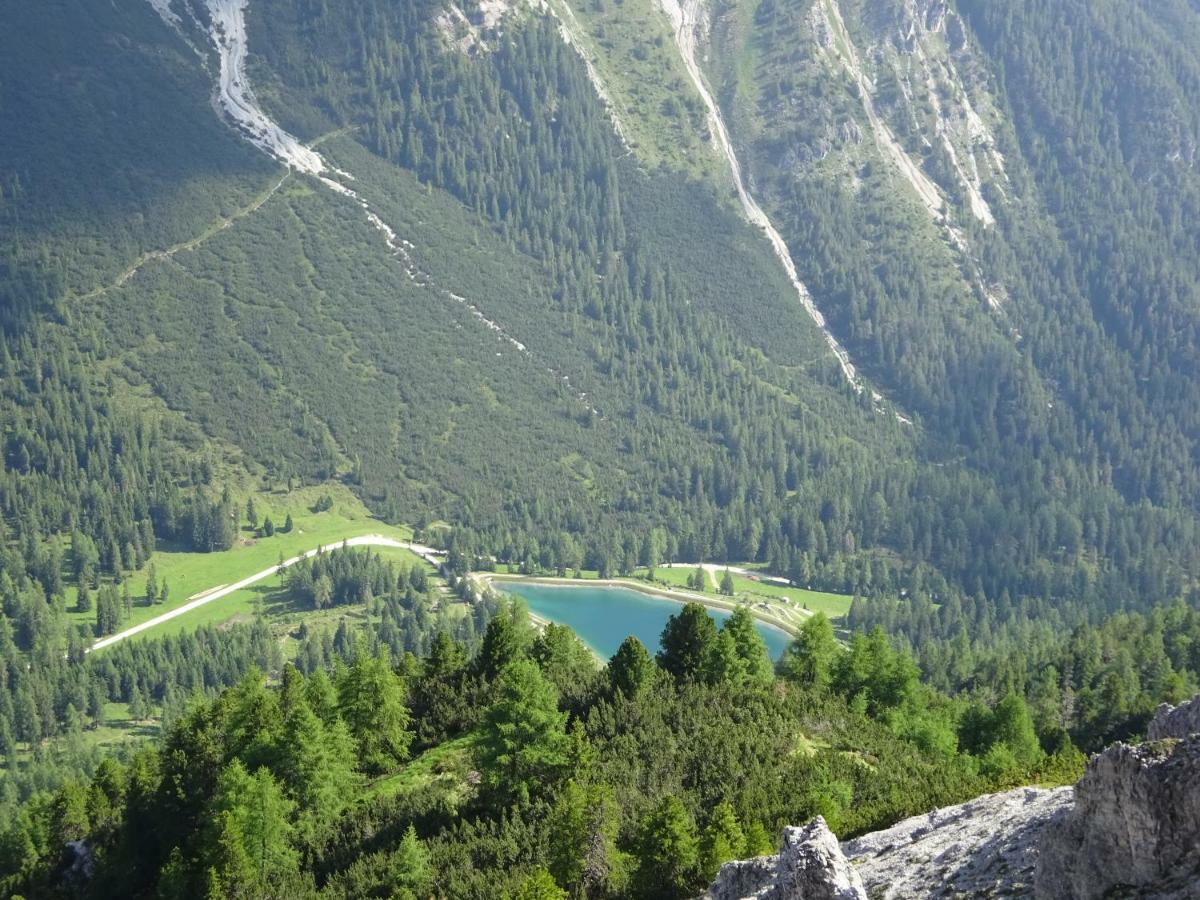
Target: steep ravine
[
  {"x": 827, "y": 13},
  {"x": 834, "y": 40},
  {"x": 687, "y": 17}
]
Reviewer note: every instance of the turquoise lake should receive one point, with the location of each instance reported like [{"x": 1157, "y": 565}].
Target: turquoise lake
[{"x": 605, "y": 616}]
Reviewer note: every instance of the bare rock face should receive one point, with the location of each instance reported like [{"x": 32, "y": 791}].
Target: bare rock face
[
  {"x": 1175, "y": 721},
  {"x": 809, "y": 867},
  {"x": 1134, "y": 829},
  {"x": 987, "y": 847},
  {"x": 1129, "y": 828}
]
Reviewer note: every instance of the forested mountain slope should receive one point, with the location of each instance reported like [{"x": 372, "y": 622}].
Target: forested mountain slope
[
  {"x": 898, "y": 299},
  {"x": 992, "y": 234},
  {"x": 521, "y": 295},
  {"x": 665, "y": 370}
]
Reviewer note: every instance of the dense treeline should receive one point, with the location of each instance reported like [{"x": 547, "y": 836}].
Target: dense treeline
[
  {"x": 74, "y": 463},
  {"x": 1098, "y": 682},
  {"x": 551, "y": 775},
  {"x": 50, "y": 694},
  {"x": 343, "y": 577}
]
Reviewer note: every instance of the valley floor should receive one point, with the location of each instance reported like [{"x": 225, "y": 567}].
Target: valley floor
[{"x": 216, "y": 593}]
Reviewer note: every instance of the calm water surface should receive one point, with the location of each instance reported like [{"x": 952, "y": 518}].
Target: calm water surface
[{"x": 603, "y": 616}]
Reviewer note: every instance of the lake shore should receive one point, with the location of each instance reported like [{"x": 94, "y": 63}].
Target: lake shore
[{"x": 676, "y": 595}]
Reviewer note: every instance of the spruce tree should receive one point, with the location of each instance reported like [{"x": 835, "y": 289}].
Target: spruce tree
[
  {"x": 751, "y": 649},
  {"x": 687, "y": 642},
  {"x": 668, "y": 852},
  {"x": 151, "y": 585},
  {"x": 372, "y": 700},
  {"x": 631, "y": 669},
  {"x": 524, "y": 749}
]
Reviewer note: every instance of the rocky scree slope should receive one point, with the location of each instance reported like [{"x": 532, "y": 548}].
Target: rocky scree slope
[{"x": 1129, "y": 828}]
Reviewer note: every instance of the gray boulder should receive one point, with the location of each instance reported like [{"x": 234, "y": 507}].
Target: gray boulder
[
  {"x": 809, "y": 867},
  {"x": 1175, "y": 721},
  {"x": 987, "y": 847}
]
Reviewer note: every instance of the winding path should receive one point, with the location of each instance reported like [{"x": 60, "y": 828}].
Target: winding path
[
  {"x": 191, "y": 244},
  {"x": 429, "y": 554}
]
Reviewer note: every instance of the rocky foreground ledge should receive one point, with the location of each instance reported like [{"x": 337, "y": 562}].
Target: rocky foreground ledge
[{"x": 1129, "y": 828}]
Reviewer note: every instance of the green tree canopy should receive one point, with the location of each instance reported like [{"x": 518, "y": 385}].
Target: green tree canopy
[
  {"x": 372, "y": 700},
  {"x": 750, "y": 648},
  {"x": 687, "y": 643},
  {"x": 809, "y": 659},
  {"x": 631, "y": 669},
  {"x": 525, "y": 749},
  {"x": 668, "y": 852}
]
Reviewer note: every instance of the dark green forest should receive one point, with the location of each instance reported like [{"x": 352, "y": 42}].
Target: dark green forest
[
  {"x": 576, "y": 351},
  {"x": 548, "y": 772}
]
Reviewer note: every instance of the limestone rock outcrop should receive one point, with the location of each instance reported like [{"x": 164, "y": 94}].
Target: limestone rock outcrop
[
  {"x": 1129, "y": 828},
  {"x": 1175, "y": 721},
  {"x": 1134, "y": 829},
  {"x": 987, "y": 847},
  {"x": 809, "y": 867}
]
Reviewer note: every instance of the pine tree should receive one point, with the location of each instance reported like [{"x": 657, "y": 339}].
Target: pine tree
[
  {"x": 539, "y": 885},
  {"x": 96, "y": 704},
  {"x": 151, "y": 585},
  {"x": 809, "y": 660},
  {"x": 248, "y": 845},
  {"x": 505, "y": 640},
  {"x": 668, "y": 852},
  {"x": 524, "y": 749},
  {"x": 583, "y": 828},
  {"x": 751, "y": 649},
  {"x": 321, "y": 696},
  {"x": 410, "y": 863},
  {"x": 372, "y": 700},
  {"x": 138, "y": 711},
  {"x": 727, "y": 587},
  {"x": 631, "y": 669},
  {"x": 83, "y": 600},
  {"x": 723, "y": 841},
  {"x": 316, "y": 764},
  {"x": 687, "y": 643}
]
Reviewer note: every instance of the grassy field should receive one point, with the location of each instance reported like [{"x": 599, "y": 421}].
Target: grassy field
[
  {"x": 268, "y": 596},
  {"x": 187, "y": 574},
  {"x": 118, "y": 730},
  {"x": 797, "y": 600}
]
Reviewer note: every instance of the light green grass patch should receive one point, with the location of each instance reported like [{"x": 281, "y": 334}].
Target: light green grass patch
[
  {"x": 444, "y": 768},
  {"x": 833, "y": 605},
  {"x": 630, "y": 44},
  {"x": 269, "y": 599},
  {"x": 188, "y": 573},
  {"x": 117, "y": 731},
  {"x": 795, "y": 602}
]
